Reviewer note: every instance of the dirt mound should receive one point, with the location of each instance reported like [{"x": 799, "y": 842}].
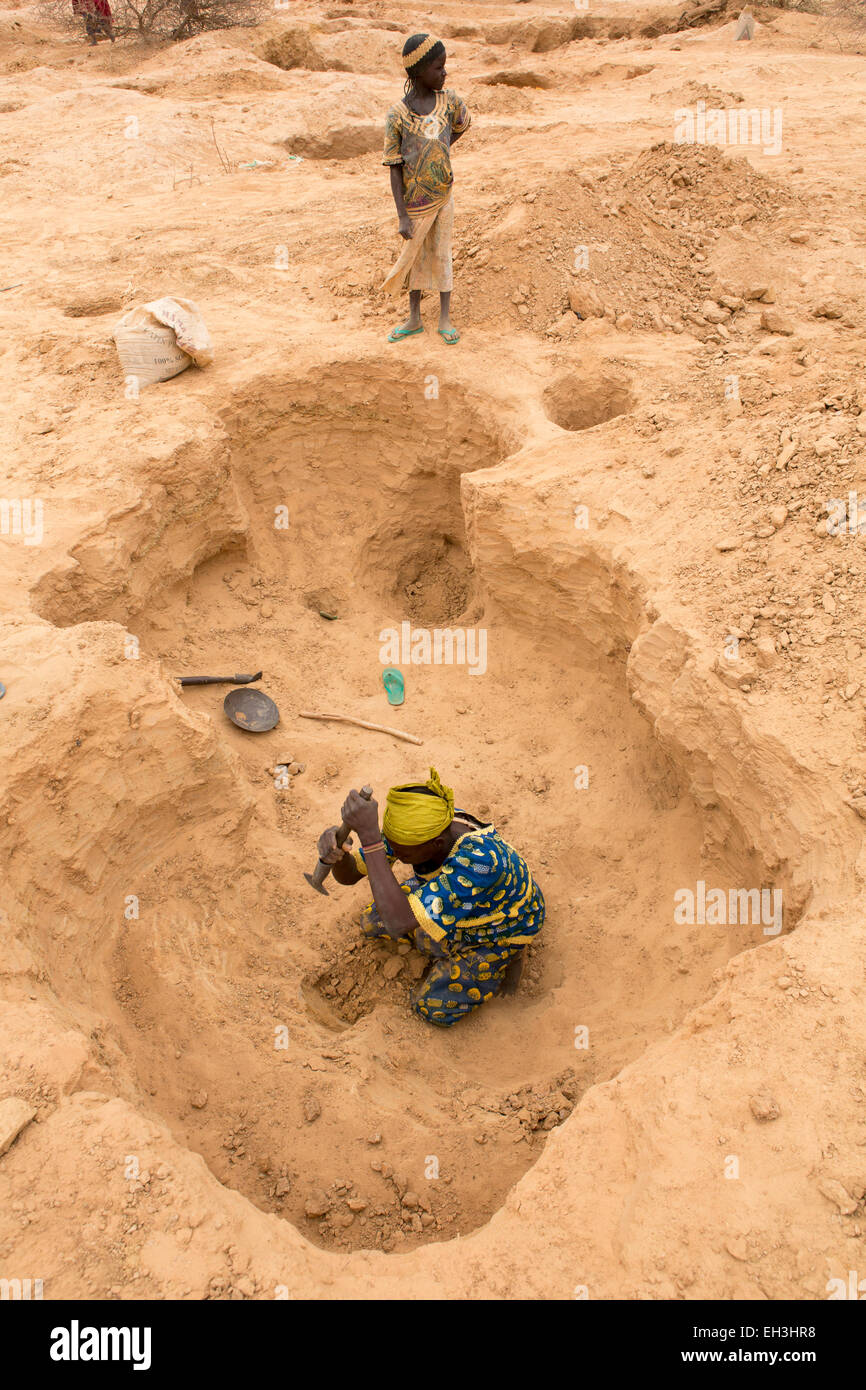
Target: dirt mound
[{"x": 631, "y": 242}]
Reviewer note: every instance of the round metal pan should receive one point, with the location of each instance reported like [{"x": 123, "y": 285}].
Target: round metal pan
[{"x": 252, "y": 710}]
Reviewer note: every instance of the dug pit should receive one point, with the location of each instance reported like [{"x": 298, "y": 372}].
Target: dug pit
[
  {"x": 578, "y": 401},
  {"x": 243, "y": 1008}
]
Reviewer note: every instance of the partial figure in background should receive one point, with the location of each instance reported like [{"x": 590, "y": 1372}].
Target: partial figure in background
[{"x": 97, "y": 19}]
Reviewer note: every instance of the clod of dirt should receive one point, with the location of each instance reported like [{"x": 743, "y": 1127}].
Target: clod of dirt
[
  {"x": 15, "y": 1115},
  {"x": 764, "y": 1107},
  {"x": 317, "y": 1204},
  {"x": 312, "y": 1109}
]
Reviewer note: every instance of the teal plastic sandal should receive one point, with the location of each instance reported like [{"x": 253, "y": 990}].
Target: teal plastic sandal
[
  {"x": 394, "y": 684},
  {"x": 397, "y": 334}
]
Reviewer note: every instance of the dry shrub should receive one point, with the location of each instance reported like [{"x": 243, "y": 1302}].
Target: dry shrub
[{"x": 164, "y": 19}]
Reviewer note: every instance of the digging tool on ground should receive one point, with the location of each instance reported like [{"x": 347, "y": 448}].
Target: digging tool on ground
[
  {"x": 317, "y": 878},
  {"x": 220, "y": 680}
]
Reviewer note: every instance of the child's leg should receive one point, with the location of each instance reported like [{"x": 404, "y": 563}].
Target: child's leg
[
  {"x": 414, "y": 319},
  {"x": 445, "y": 311}
]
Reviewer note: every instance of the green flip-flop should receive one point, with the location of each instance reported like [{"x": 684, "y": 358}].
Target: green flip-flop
[
  {"x": 394, "y": 684},
  {"x": 449, "y": 335},
  {"x": 397, "y": 334}
]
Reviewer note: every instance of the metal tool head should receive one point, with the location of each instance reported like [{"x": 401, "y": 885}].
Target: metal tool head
[
  {"x": 252, "y": 710},
  {"x": 319, "y": 887}
]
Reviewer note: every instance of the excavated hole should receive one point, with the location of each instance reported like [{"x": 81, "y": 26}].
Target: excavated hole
[
  {"x": 335, "y": 1129},
  {"x": 518, "y": 78},
  {"x": 577, "y": 401}
]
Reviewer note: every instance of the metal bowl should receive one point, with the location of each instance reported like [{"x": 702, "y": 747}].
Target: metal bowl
[{"x": 252, "y": 710}]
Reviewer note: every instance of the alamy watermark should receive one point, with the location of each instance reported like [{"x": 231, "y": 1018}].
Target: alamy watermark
[
  {"x": 449, "y": 646},
  {"x": 22, "y": 516},
  {"x": 846, "y": 518},
  {"x": 714, "y": 907},
  {"x": 716, "y": 125},
  {"x": 18, "y": 1289}
]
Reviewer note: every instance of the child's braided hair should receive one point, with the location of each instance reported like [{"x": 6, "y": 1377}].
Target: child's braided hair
[{"x": 418, "y": 51}]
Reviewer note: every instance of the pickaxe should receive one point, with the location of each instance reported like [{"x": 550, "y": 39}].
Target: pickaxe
[{"x": 317, "y": 878}]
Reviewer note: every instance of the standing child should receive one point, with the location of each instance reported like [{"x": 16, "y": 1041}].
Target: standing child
[{"x": 419, "y": 133}]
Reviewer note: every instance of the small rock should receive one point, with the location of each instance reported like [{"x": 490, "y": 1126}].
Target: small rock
[
  {"x": 317, "y": 1204},
  {"x": 199, "y": 1100},
  {"x": 787, "y": 454},
  {"x": 356, "y": 1204},
  {"x": 374, "y": 1138},
  {"x": 738, "y": 1248},
  {"x": 712, "y": 313},
  {"x": 778, "y": 517},
  {"x": 728, "y": 543},
  {"x": 765, "y": 652},
  {"x": 282, "y": 1186},
  {"x": 312, "y": 1109},
  {"x": 417, "y": 965},
  {"x": 774, "y": 322},
  {"x": 392, "y": 967},
  {"x": 564, "y": 324},
  {"x": 295, "y": 769},
  {"x": 584, "y": 302},
  {"x": 799, "y": 238},
  {"x": 838, "y": 1195},
  {"x": 827, "y": 309},
  {"x": 764, "y": 1107},
  {"x": 411, "y": 1200},
  {"x": 266, "y": 609}
]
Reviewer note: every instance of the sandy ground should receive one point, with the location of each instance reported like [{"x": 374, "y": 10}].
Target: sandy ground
[{"x": 622, "y": 474}]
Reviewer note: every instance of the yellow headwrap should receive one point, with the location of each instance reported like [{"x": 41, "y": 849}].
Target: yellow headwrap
[{"x": 411, "y": 817}]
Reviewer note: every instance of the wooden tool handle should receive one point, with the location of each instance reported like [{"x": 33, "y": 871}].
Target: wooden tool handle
[{"x": 345, "y": 830}]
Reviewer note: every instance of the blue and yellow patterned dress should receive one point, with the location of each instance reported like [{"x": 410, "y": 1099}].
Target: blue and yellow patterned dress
[{"x": 474, "y": 914}]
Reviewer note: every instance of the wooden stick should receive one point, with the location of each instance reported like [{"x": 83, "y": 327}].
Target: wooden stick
[{"x": 362, "y": 724}]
